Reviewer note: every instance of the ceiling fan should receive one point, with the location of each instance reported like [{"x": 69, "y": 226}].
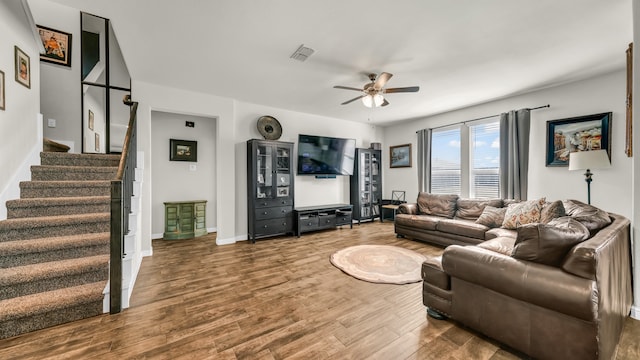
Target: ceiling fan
[{"x": 373, "y": 91}]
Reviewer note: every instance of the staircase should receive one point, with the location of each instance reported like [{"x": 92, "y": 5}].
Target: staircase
[{"x": 54, "y": 244}]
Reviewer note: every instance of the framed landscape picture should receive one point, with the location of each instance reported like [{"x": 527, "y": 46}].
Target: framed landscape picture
[
  {"x": 183, "y": 150},
  {"x": 23, "y": 67},
  {"x": 57, "y": 46},
  {"x": 582, "y": 133},
  {"x": 400, "y": 156}
]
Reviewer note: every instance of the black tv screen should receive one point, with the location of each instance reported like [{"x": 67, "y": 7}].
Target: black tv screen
[{"x": 323, "y": 155}]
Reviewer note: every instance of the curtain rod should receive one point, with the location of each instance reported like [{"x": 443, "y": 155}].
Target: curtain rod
[{"x": 486, "y": 117}]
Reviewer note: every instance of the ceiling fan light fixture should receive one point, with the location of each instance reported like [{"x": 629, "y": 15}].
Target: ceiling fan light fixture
[{"x": 372, "y": 100}]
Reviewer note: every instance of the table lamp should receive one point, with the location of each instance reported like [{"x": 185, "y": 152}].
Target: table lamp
[{"x": 594, "y": 159}]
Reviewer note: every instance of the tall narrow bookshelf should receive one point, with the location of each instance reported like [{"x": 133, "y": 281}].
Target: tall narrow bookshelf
[{"x": 366, "y": 185}]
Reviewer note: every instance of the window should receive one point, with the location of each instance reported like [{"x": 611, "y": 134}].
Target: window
[{"x": 465, "y": 160}]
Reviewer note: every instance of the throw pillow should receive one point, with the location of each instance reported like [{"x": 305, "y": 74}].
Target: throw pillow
[
  {"x": 548, "y": 243},
  {"x": 491, "y": 216},
  {"x": 522, "y": 213},
  {"x": 437, "y": 204},
  {"x": 551, "y": 211},
  {"x": 590, "y": 216},
  {"x": 471, "y": 209}
]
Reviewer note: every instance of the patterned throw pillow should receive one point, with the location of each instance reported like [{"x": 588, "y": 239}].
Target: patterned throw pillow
[
  {"x": 525, "y": 212},
  {"x": 492, "y": 217}
]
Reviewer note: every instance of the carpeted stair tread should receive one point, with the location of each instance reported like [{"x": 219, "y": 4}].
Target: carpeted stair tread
[
  {"x": 55, "y": 300},
  {"x": 64, "y": 173},
  {"x": 72, "y": 159},
  {"x": 35, "y": 207},
  {"x": 35, "y": 189},
  {"x": 30, "y": 251},
  {"x": 54, "y": 269},
  {"x": 47, "y": 226}
]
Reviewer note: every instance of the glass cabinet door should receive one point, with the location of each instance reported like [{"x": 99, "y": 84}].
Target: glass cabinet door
[
  {"x": 264, "y": 171},
  {"x": 365, "y": 184},
  {"x": 283, "y": 175}
]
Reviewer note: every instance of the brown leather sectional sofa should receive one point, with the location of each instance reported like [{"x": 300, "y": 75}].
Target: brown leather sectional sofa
[{"x": 554, "y": 290}]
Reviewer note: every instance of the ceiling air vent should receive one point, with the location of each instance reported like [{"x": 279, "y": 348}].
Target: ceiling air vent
[{"x": 302, "y": 53}]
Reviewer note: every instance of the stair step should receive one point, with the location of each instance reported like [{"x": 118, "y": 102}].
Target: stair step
[
  {"x": 48, "y": 226},
  {"x": 38, "y": 189},
  {"x": 36, "y": 278},
  {"x": 35, "y": 207},
  {"x": 71, "y": 159},
  {"x": 38, "y": 311},
  {"x": 33, "y": 251},
  {"x": 57, "y": 173}
]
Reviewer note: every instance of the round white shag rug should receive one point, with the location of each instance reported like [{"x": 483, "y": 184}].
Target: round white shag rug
[{"x": 384, "y": 264}]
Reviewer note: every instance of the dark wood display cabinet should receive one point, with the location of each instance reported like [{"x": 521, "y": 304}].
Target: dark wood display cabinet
[
  {"x": 269, "y": 188},
  {"x": 366, "y": 184}
]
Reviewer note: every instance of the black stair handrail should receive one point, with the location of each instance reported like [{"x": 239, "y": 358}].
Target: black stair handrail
[{"x": 121, "y": 193}]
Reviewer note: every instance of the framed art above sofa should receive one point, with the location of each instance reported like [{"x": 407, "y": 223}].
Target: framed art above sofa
[{"x": 582, "y": 133}]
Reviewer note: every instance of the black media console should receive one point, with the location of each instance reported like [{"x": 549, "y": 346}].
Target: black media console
[{"x": 312, "y": 218}]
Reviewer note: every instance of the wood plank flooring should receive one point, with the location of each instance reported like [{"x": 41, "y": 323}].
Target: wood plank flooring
[{"x": 277, "y": 299}]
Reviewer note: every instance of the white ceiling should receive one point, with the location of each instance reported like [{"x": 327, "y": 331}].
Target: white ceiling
[{"x": 460, "y": 53}]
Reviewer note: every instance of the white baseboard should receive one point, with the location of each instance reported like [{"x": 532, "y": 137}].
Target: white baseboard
[
  {"x": 635, "y": 312},
  {"x": 146, "y": 253},
  {"x": 156, "y": 236}
]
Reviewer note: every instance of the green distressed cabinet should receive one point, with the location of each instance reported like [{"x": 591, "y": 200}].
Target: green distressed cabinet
[{"x": 184, "y": 219}]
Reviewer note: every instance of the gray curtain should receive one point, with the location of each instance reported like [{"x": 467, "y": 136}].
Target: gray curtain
[
  {"x": 514, "y": 153},
  {"x": 424, "y": 160}
]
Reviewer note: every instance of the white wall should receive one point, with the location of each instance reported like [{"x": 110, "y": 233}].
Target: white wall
[
  {"x": 308, "y": 190},
  {"x": 610, "y": 189},
  {"x": 60, "y": 85},
  {"x": 19, "y": 125},
  {"x": 175, "y": 180}
]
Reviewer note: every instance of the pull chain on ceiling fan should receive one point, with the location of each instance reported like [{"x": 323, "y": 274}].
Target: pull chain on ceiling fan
[{"x": 373, "y": 92}]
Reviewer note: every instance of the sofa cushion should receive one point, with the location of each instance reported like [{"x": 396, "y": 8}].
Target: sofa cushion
[
  {"x": 548, "y": 243},
  {"x": 522, "y": 213},
  {"x": 437, "y": 204},
  {"x": 466, "y": 228},
  {"x": 592, "y": 217},
  {"x": 492, "y": 216},
  {"x": 499, "y": 232},
  {"x": 471, "y": 209},
  {"x": 422, "y": 222},
  {"x": 503, "y": 245},
  {"x": 552, "y": 210}
]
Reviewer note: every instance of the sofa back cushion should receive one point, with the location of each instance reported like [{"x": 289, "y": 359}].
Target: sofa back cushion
[
  {"x": 552, "y": 210},
  {"x": 471, "y": 209},
  {"x": 522, "y": 213},
  {"x": 548, "y": 243},
  {"x": 437, "y": 204},
  {"x": 592, "y": 217}
]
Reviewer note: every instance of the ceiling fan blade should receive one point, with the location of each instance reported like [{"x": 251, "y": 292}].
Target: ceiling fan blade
[
  {"x": 346, "y": 88},
  {"x": 354, "y": 99},
  {"x": 382, "y": 80},
  {"x": 402, "y": 89},
  {"x": 384, "y": 103}
]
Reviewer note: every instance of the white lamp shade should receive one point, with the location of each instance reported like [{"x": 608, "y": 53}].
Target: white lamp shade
[
  {"x": 373, "y": 100},
  {"x": 594, "y": 159}
]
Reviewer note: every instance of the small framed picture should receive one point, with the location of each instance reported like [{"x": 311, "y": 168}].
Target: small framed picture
[
  {"x": 183, "y": 150},
  {"x": 582, "y": 133},
  {"x": 97, "y": 142},
  {"x": 283, "y": 191},
  {"x": 90, "y": 120},
  {"x": 2, "y": 101},
  {"x": 400, "y": 156},
  {"x": 57, "y": 46},
  {"x": 23, "y": 67}
]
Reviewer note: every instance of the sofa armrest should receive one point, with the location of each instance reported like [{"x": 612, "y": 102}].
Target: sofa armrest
[
  {"x": 542, "y": 285},
  {"x": 408, "y": 208}
]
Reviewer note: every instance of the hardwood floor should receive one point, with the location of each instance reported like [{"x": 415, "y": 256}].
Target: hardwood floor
[{"x": 277, "y": 299}]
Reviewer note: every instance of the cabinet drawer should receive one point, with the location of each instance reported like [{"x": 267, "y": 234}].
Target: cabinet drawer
[
  {"x": 308, "y": 223},
  {"x": 263, "y": 203},
  {"x": 273, "y": 212},
  {"x": 274, "y": 226},
  {"x": 327, "y": 221},
  {"x": 343, "y": 218}
]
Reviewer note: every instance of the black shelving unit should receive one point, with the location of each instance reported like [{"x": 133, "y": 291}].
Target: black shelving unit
[{"x": 366, "y": 184}]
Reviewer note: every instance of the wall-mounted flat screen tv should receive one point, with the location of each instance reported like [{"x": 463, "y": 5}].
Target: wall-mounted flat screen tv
[{"x": 323, "y": 155}]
